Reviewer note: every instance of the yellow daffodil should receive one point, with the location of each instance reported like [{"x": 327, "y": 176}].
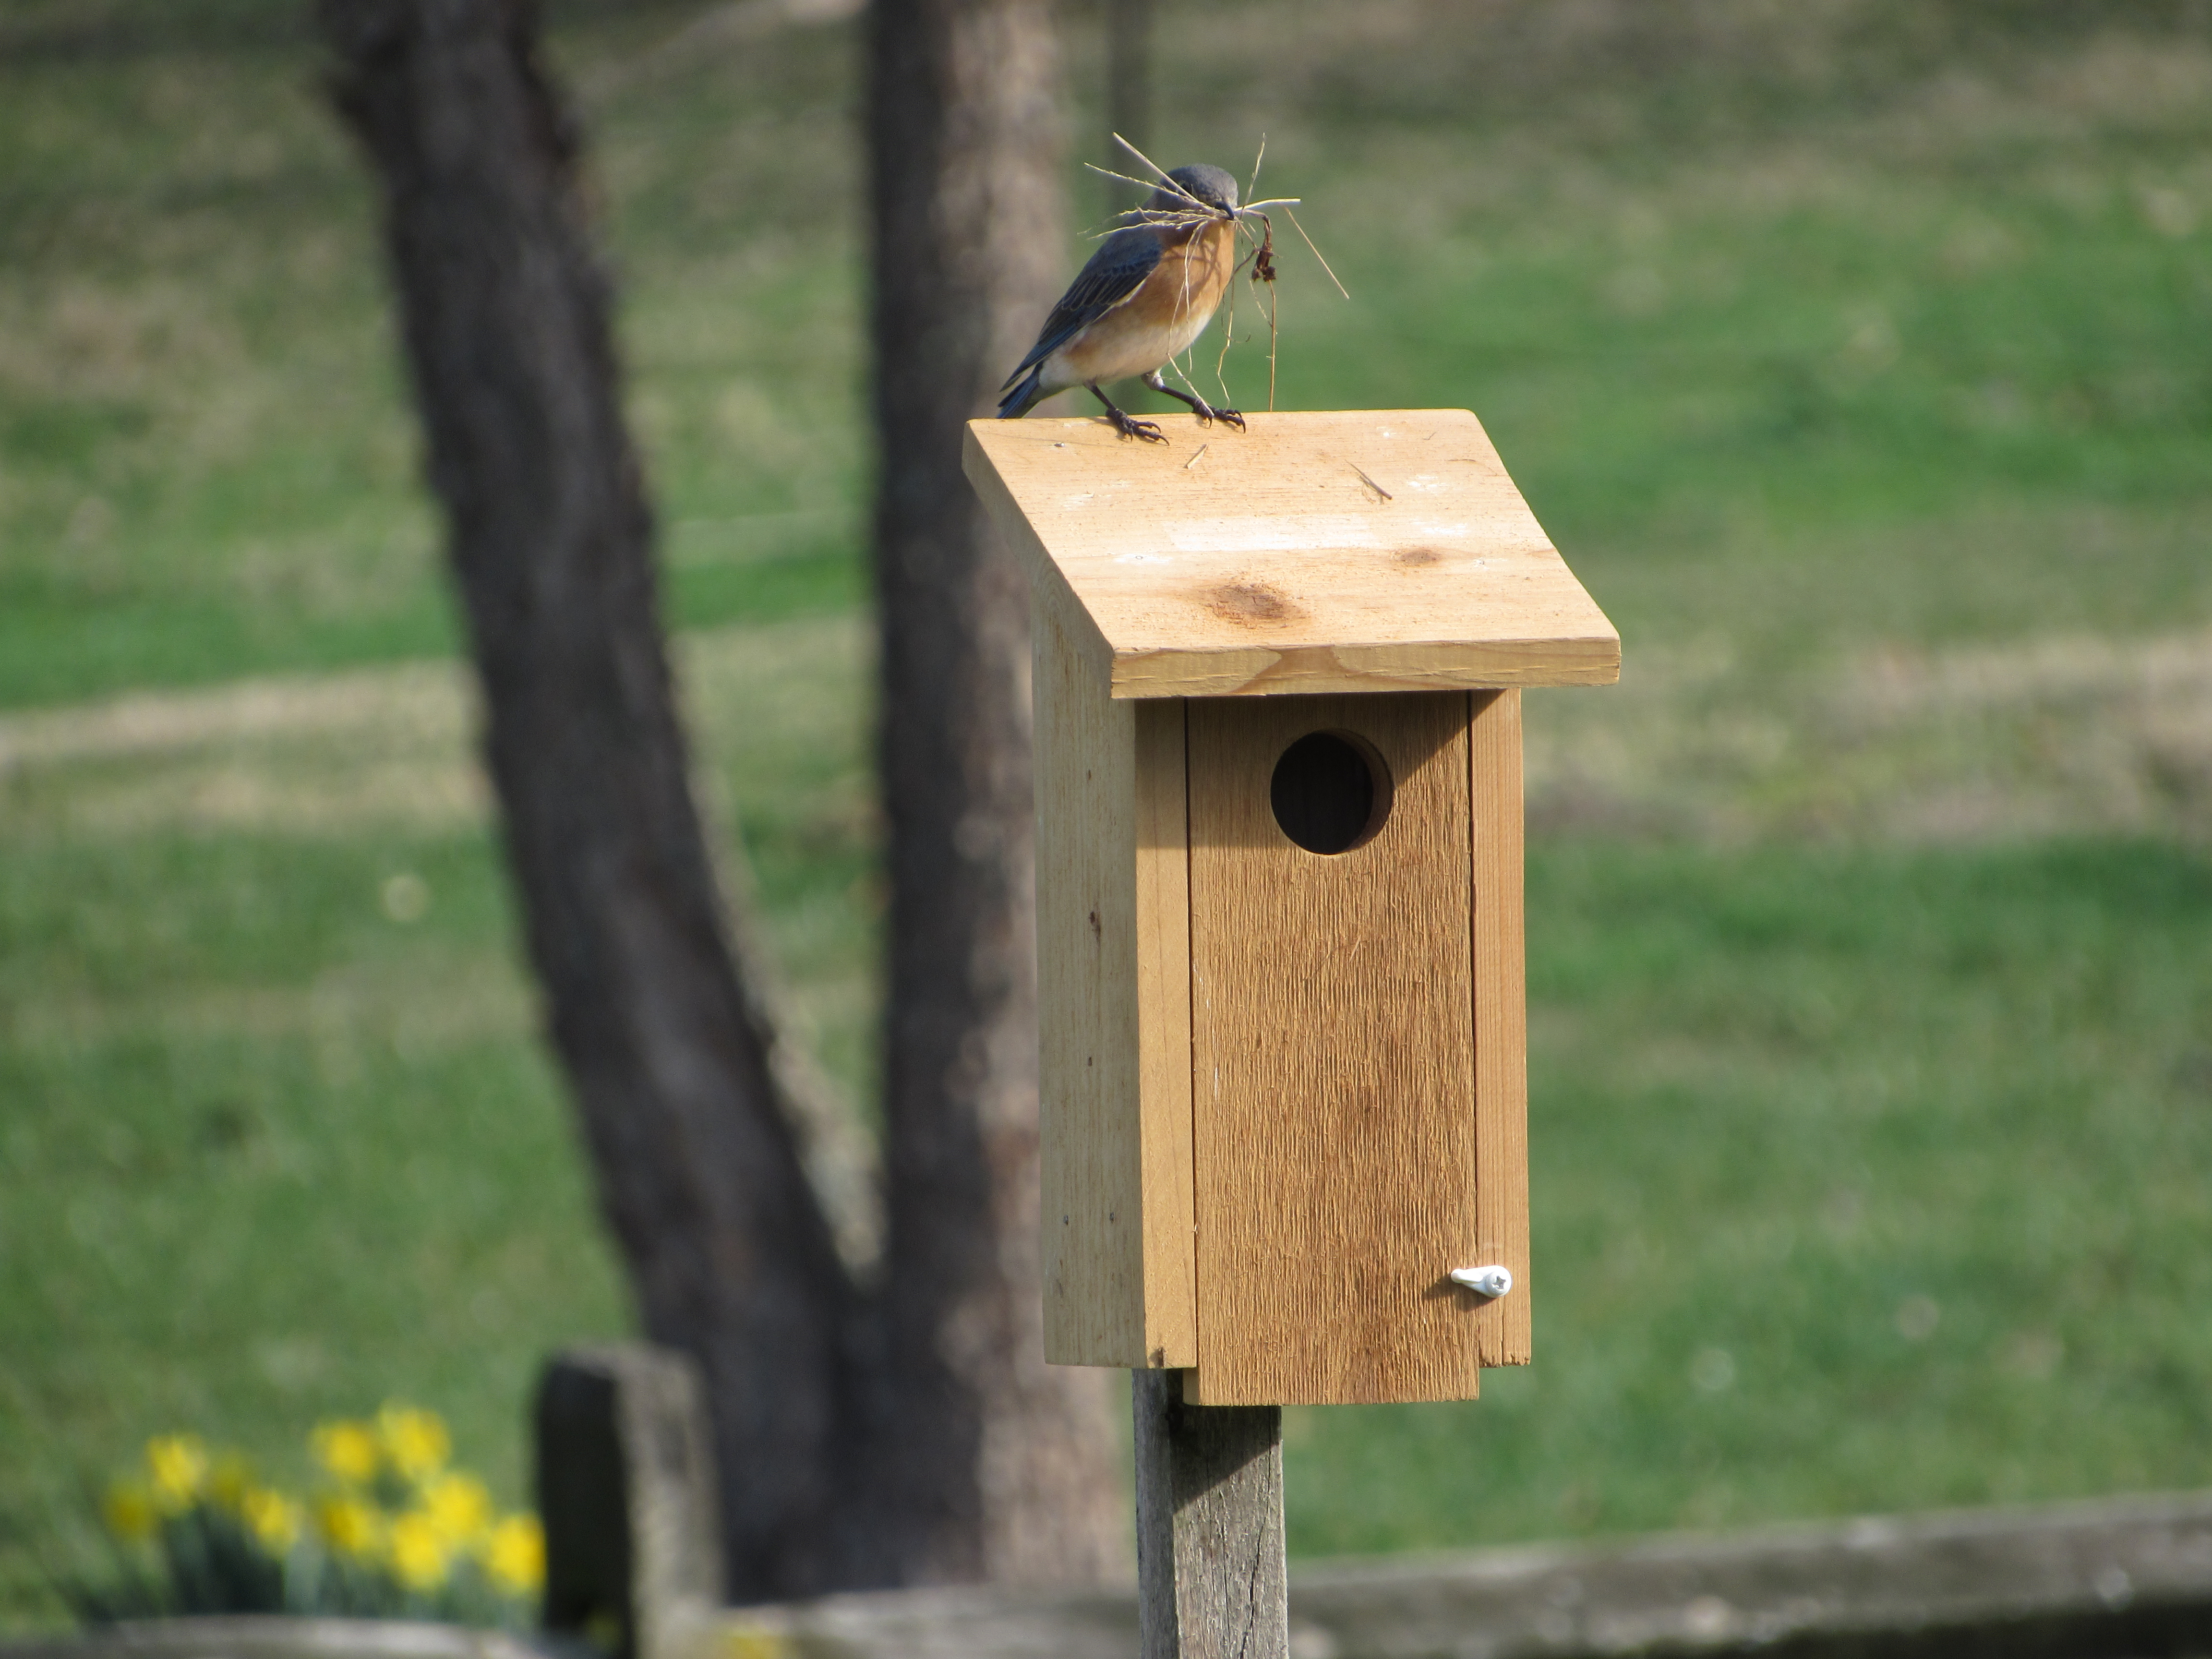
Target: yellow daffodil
[
  {"x": 418, "y": 1552},
  {"x": 129, "y": 1511},
  {"x": 515, "y": 1555},
  {"x": 178, "y": 1466},
  {"x": 347, "y": 1449},
  {"x": 229, "y": 1482},
  {"x": 415, "y": 1441},
  {"x": 459, "y": 1507},
  {"x": 350, "y": 1526},
  {"x": 273, "y": 1518}
]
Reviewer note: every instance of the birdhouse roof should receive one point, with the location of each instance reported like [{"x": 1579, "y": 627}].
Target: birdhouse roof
[{"x": 1372, "y": 550}]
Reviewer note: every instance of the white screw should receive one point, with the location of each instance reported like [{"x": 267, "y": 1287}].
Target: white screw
[{"x": 1492, "y": 1282}]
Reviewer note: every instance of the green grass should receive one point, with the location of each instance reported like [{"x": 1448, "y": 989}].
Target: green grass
[
  {"x": 1810, "y": 342},
  {"x": 1862, "y": 1181},
  {"x": 207, "y": 466},
  {"x": 1723, "y": 355},
  {"x": 272, "y": 1153},
  {"x": 271, "y": 1158}
]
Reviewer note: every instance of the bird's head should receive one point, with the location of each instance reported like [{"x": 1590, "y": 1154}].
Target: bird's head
[{"x": 1207, "y": 187}]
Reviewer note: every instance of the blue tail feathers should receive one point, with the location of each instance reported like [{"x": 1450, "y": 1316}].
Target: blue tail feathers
[{"x": 1024, "y": 397}]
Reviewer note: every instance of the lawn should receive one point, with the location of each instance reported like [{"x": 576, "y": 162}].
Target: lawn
[
  {"x": 1865, "y": 374},
  {"x": 1861, "y": 1180}
]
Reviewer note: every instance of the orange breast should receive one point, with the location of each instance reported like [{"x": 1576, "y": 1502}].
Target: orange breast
[
  {"x": 1160, "y": 319},
  {"x": 1190, "y": 278}
]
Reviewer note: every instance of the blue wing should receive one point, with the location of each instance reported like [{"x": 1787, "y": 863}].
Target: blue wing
[{"x": 1114, "y": 272}]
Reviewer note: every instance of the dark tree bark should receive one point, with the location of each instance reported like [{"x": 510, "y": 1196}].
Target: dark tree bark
[
  {"x": 997, "y": 1465},
  {"x": 505, "y": 318},
  {"x": 914, "y": 1435}
]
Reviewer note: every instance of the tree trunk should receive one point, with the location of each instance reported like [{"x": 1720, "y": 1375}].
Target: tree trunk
[
  {"x": 506, "y": 319},
  {"x": 917, "y": 1436},
  {"x": 996, "y": 1465}
]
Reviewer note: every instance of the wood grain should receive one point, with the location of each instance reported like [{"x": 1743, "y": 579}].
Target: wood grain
[
  {"x": 1114, "y": 1008},
  {"x": 1502, "y": 1328},
  {"x": 1163, "y": 876},
  {"x": 1316, "y": 552},
  {"x": 1210, "y": 1578},
  {"x": 1334, "y": 1066}
]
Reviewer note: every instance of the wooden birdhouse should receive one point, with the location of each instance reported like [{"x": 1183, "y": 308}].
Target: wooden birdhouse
[{"x": 1278, "y": 891}]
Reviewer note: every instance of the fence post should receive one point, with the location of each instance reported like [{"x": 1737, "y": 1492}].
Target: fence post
[{"x": 625, "y": 1490}]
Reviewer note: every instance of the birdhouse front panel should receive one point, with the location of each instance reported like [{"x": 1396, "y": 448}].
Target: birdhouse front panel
[
  {"x": 1332, "y": 1047},
  {"x": 1282, "y": 1030}
]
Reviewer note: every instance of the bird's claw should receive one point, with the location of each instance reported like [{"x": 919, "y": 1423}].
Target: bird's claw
[
  {"x": 1129, "y": 427},
  {"x": 1208, "y": 414}
]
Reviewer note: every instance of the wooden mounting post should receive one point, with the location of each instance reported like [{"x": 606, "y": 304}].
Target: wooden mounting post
[{"x": 1210, "y": 1575}]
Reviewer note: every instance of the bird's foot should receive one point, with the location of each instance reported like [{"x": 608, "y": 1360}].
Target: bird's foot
[
  {"x": 1206, "y": 413},
  {"x": 1129, "y": 427}
]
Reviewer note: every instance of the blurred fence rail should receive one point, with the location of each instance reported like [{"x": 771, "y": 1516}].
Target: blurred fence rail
[
  {"x": 626, "y": 1485},
  {"x": 2125, "y": 1579},
  {"x": 2120, "y": 1579}
]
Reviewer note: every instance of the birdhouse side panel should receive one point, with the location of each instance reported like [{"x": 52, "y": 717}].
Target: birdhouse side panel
[
  {"x": 1113, "y": 956},
  {"x": 1333, "y": 1059}
]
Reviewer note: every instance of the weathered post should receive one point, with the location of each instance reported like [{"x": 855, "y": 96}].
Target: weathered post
[
  {"x": 626, "y": 1489},
  {"x": 1283, "y": 1032},
  {"x": 1210, "y": 1571}
]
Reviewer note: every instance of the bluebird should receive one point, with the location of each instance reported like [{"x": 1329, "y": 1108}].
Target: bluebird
[{"x": 1147, "y": 293}]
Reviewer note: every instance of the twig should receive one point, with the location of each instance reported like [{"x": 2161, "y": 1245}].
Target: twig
[
  {"x": 1198, "y": 208},
  {"x": 1228, "y": 339},
  {"x": 1274, "y": 308},
  {"x": 1301, "y": 230},
  {"x": 1166, "y": 181},
  {"x": 1202, "y": 448},
  {"x": 1263, "y": 251},
  {"x": 1365, "y": 479}
]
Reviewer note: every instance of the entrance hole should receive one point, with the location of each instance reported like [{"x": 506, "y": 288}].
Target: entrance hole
[{"x": 1331, "y": 792}]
